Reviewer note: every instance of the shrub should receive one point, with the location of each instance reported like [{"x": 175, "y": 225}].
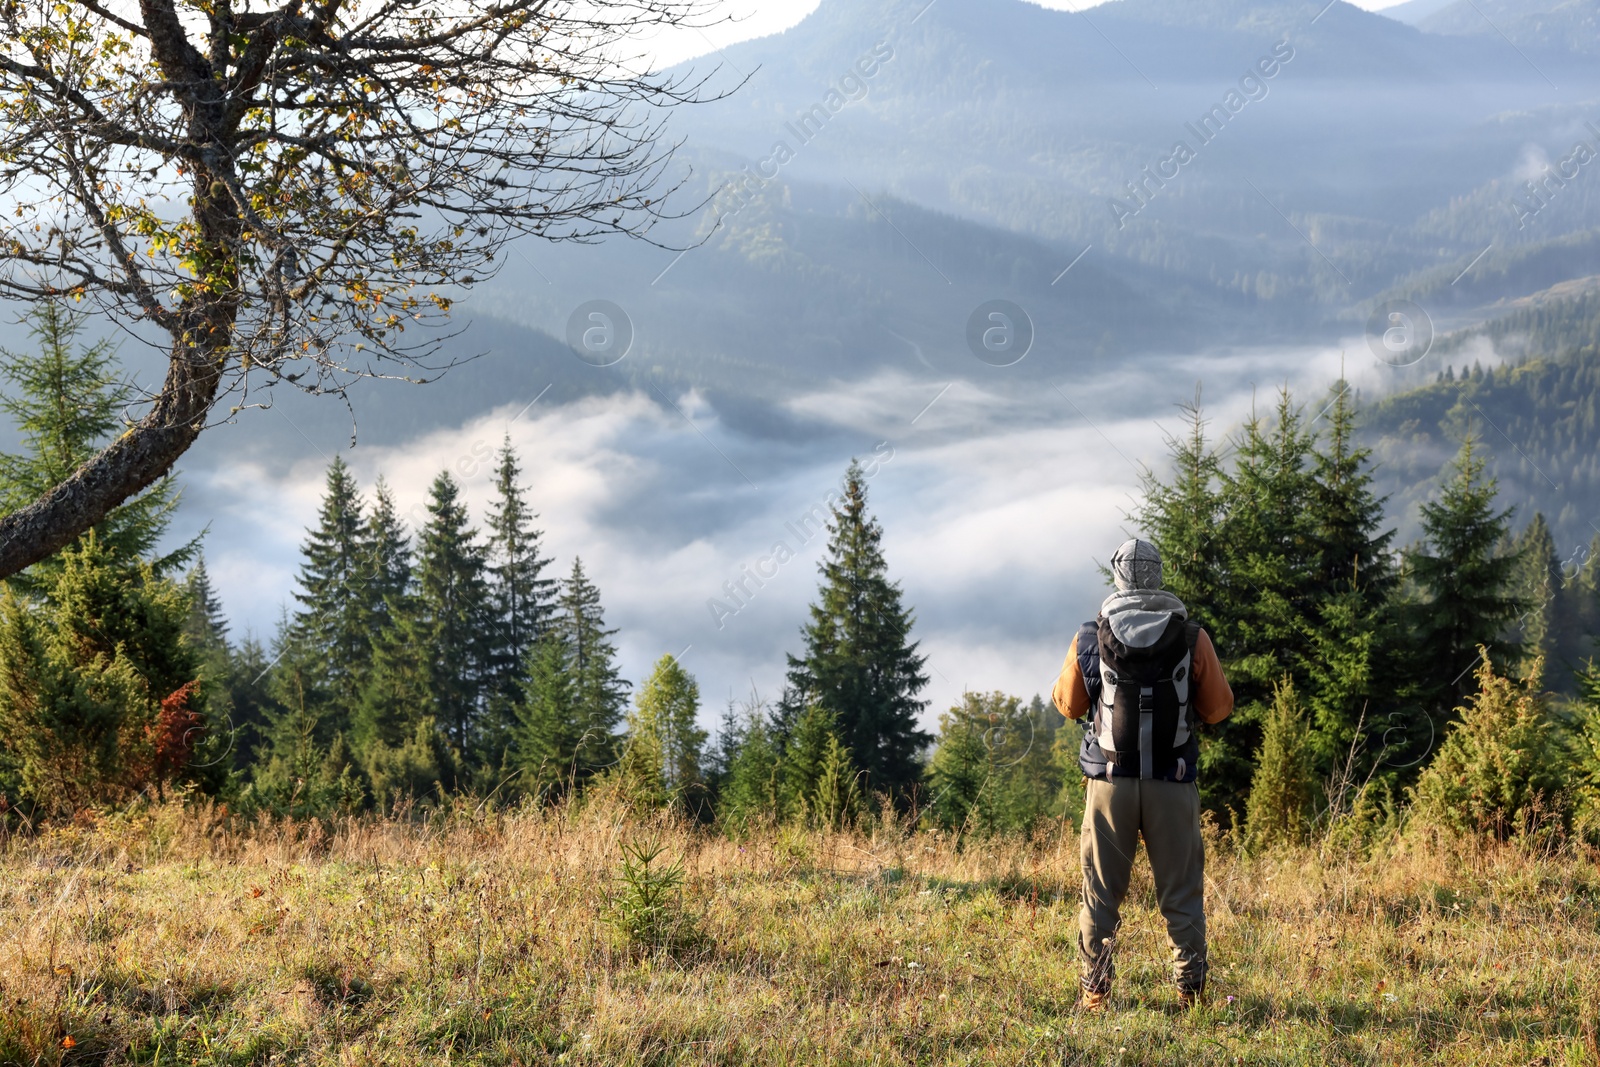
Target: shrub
[
  {"x": 1279, "y": 806},
  {"x": 99, "y": 698},
  {"x": 1499, "y": 769},
  {"x": 1586, "y": 756}
]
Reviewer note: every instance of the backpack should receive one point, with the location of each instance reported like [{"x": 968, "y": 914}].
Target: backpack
[{"x": 1141, "y": 703}]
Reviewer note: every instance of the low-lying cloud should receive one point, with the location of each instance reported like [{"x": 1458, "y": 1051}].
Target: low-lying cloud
[{"x": 998, "y": 506}]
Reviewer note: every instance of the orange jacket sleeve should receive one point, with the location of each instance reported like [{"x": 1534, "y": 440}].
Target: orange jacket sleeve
[
  {"x": 1213, "y": 697},
  {"x": 1071, "y": 696}
]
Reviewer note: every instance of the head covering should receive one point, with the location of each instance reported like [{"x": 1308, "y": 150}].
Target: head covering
[{"x": 1136, "y": 565}]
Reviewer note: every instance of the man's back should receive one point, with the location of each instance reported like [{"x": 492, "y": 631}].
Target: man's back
[{"x": 1141, "y": 678}]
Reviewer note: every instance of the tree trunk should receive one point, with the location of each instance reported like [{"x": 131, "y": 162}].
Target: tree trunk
[{"x": 125, "y": 467}]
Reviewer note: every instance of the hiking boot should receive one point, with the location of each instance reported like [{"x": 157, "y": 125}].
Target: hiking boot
[
  {"x": 1088, "y": 1000},
  {"x": 1189, "y": 999}
]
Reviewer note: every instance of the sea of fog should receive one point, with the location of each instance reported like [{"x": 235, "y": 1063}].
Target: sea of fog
[{"x": 998, "y": 506}]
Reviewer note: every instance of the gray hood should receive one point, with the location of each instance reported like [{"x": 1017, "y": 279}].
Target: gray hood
[{"x": 1140, "y": 616}]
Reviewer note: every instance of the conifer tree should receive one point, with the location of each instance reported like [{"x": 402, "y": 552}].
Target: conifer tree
[
  {"x": 249, "y": 682},
  {"x": 100, "y": 695},
  {"x": 1585, "y": 755},
  {"x": 333, "y": 625},
  {"x": 549, "y": 743},
  {"x": 206, "y": 633},
  {"x": 421, "y": 704},
  {"x": 859, "y": 663},
  {"x": 993, "y": 769},
  {"x": 1279, "y": 809},
  {"x": 836, "y": 800},
  {"x": 67, "y": 401},
  {"x": 751, "y": 789},
  {"x": 809, "y": 758},
  {"x": 1497, "y": 767},
  {"x": 1353, "y": 548},
  {"x": 600, "y": 690},
  {"x": 1270, "y": 539},
  {"x": 662, "y": 750},
  {"x": 960, "y": 773},
  {"x": 207, "y": 628},
  {"x": 1539, "y": 586},
  {"x": 724, "y": 749},
  {"x": 1261, "y": 613},
  {"x": 1468, "y": 598},
  {"x": 385, "y": 558},
  {"x": 452, "y": 614},
  {"x": 1181, "y": 519},
  {"x": 303, "y": 766},
  {"x": 397, "y": 692},
  {"x": 1352, "y": 630},
  {"x": 523, "y": 599}
]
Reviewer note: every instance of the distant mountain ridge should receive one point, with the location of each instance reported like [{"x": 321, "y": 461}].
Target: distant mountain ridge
[{"x": 1548, "y": 25}]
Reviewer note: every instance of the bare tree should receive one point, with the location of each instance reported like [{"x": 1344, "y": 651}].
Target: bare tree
[{"x": 281, "y": 191}]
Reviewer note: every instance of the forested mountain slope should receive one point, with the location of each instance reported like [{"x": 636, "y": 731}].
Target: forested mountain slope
[{"x": 1537, "y": 420}]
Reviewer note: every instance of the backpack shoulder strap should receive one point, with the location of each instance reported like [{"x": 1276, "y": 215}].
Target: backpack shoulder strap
[{"x": 1191, "y": 637}]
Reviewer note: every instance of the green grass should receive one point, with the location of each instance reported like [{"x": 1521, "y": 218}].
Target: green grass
[{"x": 184, "y": 937}]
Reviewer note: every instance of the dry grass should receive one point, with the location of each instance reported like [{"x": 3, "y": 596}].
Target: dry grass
[{"x": 173, "y": 937}]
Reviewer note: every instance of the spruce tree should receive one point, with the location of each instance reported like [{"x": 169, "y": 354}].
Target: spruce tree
[
  {"x": 750, "y": 790},
  {"x": 994, "y": 768},
  {"x": 67, "y": 400},
  {"x": 1539, "y": 586},
  {"x": 1585, "y": 755},
  {"x": 207, "y": 628},
  {"x": 1498, "y": 768},
  {"x": 1352, "y": 630},
  {"x": 1279, "y": 809},
  {"x": 1260, "y": 617},
  {"x": 859, "y": 664},
  {"x": 600, "y": 690},
  {"x": 961, "y": 773},
  {"x": 421, "y": 703},
  {"x": 206, "y": 633},
  {"x": 1181, "y": 519},
  {"x": 385, "y": 558},
  {"x": 837, "y": 799},
  {"x": 1353, "y": 548},
  {"x": 549, "y": 743},
  {"x": 249, "y": 681},
  {"x": 809, "y": 758},
  {"x": 303, "y": 766},
  {"x": 453, "y": 616},
  {"x": 523, "y": 599},
  {"x": 1270, "y": 537},
  {"x": 724, "y": 749},
  {"x": 333, "y": 624},
  {"x": 1467, "y": 591}
]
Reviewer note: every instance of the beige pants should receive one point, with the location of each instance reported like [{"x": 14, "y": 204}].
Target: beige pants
[{"x": 1117, "y": 812}]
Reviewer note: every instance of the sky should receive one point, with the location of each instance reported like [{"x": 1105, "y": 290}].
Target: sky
[{"x": 760, "y": 18}]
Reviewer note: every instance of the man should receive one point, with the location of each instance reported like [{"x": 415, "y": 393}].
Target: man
[{"x": 1141, "y": 676}]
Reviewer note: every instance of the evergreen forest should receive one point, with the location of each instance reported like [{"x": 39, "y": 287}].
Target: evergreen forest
[{"x": 1453, "y": 673}]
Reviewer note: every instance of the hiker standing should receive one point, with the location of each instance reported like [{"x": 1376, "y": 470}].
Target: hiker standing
[{"x": 1143, "y": 675}]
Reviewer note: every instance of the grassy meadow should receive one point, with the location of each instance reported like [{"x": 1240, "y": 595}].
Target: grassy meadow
[{"x": 180, "y": 935}]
